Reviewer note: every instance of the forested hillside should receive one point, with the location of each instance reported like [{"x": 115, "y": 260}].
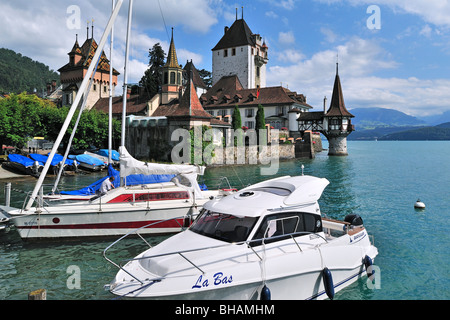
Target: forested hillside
[{"x": 19, "y": 73}]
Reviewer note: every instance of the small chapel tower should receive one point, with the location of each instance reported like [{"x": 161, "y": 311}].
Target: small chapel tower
[
  {"x": 240, "y": 52},
  {"x": 337, "y": 121},
  {"x": 172, "y": 75}
]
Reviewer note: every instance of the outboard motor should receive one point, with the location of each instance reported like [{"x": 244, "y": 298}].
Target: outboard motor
[{"x": 354, "y": 219}]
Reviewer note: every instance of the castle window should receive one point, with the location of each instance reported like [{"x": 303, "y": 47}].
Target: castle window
[
  {"x": 233, "y": 51},
  {"x": 104, "y": 89},
  {"x": 178, "y": 78},
  {"x": 166, "y": 78},
  {"x": 250, "y": 124},
  {"x": 249, "y": 113},
  {"x": 172, "y": 78},
  {"x": 225, "y": 53},
  {"x": 94, "y": 87}
]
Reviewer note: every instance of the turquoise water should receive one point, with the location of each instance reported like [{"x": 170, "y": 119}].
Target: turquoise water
[{"x": 380, "y": 181}]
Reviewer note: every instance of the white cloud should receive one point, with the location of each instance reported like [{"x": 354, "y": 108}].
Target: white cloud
[
  {"x": 286, "y": 38},
  {"x": 426, "y": 31},
  {"x": 436, "y": 12},
  {"x": 330, "y": 36},
  {"x": 359, "y": 59}
]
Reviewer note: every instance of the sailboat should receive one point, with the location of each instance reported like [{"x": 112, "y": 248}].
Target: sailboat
[{"x": 164, "y": 207}]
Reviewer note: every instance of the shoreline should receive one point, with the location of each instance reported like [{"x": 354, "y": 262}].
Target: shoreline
[{"x": 6, "y": 174}]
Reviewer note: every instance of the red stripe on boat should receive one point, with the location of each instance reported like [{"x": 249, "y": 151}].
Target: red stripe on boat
[{"x": 111, "y": 225}]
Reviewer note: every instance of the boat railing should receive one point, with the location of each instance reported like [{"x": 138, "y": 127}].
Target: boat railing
[{"x": 182, "y": 253}]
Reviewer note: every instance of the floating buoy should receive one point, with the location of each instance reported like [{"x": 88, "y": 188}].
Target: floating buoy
[
  {"x": 419, "y": 204},
  {"x": 328, "y": 283},
  {"x": 265, "y": 293},
  {"x": 368, "y": 264}
]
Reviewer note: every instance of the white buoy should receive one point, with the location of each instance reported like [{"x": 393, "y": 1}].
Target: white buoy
[{"x": 419, "y": 204}]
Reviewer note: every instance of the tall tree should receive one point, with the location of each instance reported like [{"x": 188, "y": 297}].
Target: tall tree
[
  {"x": 236, "y": 121},
  {"x": 151, "y": 81},
  {"x": 260, "y": 118},
  {"x": 206, "y": 77},
  {"x": 260, "y": 121}
]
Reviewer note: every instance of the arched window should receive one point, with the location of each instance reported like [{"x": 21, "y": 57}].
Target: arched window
[{"x": 172, "y": 77}]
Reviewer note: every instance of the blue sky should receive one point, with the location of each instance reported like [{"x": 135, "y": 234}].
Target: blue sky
[{"x": 403, "y": 65}]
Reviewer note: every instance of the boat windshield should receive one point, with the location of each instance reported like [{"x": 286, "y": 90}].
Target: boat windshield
[{"x": 225, "y": 227}]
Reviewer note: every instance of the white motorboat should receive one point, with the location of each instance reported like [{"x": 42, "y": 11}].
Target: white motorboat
[
  {"x": 122, "y": 209},
  {"x": 268, "y": 239}
]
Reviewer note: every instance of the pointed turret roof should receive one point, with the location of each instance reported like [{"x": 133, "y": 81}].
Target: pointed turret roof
[
  {"x": 239, "y": 34},
  {"x": 337, "y": 105},
  {"x": 76, "y": 47},
  {"x": 172, "y": 60}
]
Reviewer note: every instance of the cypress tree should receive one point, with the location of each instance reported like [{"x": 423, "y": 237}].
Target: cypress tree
[
  {"x": 260, "y": 118},
  {"x": 236, "y": 121}
]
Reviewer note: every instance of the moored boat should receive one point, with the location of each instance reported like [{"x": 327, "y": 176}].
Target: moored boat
[
  {"x": 122, "y": 209},
  {"x": 88, "y": 162},
  {"x": 268, "y": 239},
  {"x": 22, "y": 164}
]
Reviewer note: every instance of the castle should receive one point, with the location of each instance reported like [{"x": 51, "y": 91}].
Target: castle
[{"x": 238, "y": 79}]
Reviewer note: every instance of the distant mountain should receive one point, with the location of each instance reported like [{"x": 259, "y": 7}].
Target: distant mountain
[
  {"x": 439, "y": 118},
  {"x": 19, "y": 73},
  {"x": 371, "y": 118},
  {"x": 440, "y": 132}
]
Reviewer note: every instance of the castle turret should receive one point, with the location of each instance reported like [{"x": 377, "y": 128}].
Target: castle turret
[
  {"x": 337, "y": 121},
  {"x": 171, "y": 75}
]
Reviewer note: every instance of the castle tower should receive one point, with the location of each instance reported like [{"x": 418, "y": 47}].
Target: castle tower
[
  {"x": 240, "y": 52},
  {"x": 337, "y": 121},
  {"x": 172, "y": 75},
  {"x": 73, "y": 73}
]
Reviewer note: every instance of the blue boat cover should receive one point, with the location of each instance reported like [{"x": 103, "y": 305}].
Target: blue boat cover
[
  {"x": 59, "y": 158},
  {"x": 131, "y": 180},
  {"x": 43, "y": 158},
  {"x": 105, "y": 152},
  {"x": 85, "y": 158},
  {"x": 25, "y": 161}
]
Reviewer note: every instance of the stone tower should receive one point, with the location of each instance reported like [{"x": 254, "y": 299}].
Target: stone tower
[
  {"x": 337, "y": 121},
  {"x": 240, "y": 52}
]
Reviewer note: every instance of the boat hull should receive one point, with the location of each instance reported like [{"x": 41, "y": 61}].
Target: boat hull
[
  {"x": 74, "y": 222},
  {"x": 289, "y": 273}
]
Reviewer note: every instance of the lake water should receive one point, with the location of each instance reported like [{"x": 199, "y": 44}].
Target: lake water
[{"x": 380, "y": 181}]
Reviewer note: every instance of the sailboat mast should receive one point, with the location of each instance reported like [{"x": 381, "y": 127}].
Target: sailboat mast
[
  {"x": 110, "y": 90},
  {"x": 125, "y": 74},
  {"x": 75, "y": 104},
  {"x": 125, "y": 85}
]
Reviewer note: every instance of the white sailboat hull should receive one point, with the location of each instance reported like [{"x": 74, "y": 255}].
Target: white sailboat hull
[{"x": 94, "y": 219}]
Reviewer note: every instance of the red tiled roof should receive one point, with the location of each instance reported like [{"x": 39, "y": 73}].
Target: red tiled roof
[
  {"x": 87, "y": 52},
  {"x": 230, "y": 86},
  {"x": 189, "y": 106},
  {"x": 135, "y": 105}
]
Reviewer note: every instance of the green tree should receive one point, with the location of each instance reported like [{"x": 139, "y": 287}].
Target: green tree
[
  {"x": 206, "y": 77},
  {"x": 25, "y": 116},
  {"x": 236, "y": 122},
  {"x": 151, "y": 81},
  {"x": 260, "y": 121}
]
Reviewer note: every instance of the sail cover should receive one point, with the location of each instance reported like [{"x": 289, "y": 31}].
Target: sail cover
[
  {"x": 129, "y": 165},
  {"x": 131, "y": 180}
]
